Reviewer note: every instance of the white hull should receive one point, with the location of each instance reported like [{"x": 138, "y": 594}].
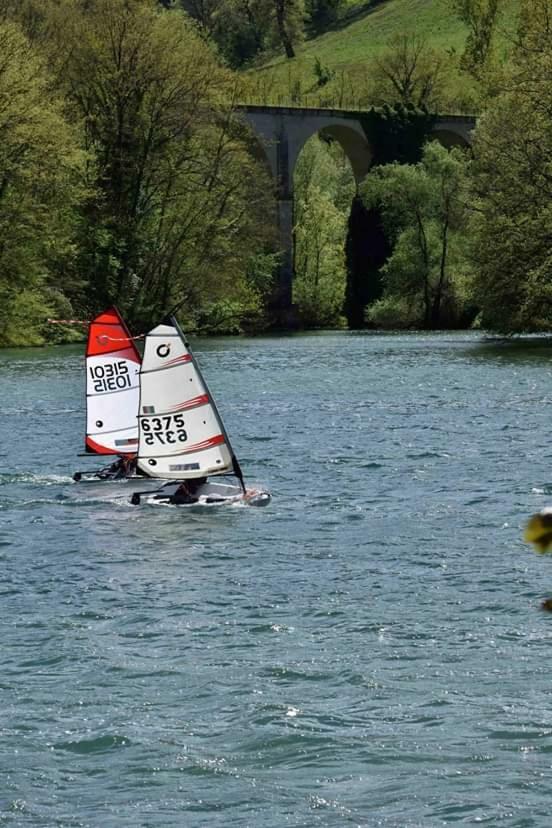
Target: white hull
[
  {"x": 210, "y": 493},
  {"x": 105, "y": 476}
]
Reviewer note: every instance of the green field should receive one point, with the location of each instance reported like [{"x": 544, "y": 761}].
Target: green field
[{"x": 364, "y": 31}]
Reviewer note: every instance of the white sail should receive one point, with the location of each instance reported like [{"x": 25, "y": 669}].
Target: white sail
[
  {"x": 112, "y": 387},
  {"x": 180, "y": 431}
]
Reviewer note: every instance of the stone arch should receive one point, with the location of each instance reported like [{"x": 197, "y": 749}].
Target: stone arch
[
  {"x": 347, "y": 132},
  {"x": 281, "y": 135},
  {"x": 355, "y": 146},
  {"x": 454, "y": 131},
  {"x": 449, "y": 139}
]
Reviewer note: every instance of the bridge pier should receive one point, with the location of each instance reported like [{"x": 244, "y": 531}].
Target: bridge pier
[
  {"x": 284, "y": 293},
  {"x": 283, "y": 175}
]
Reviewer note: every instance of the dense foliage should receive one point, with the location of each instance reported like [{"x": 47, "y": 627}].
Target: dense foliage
[
  {"x": 481, "y": 19},
  {"x": 124, "y": 175},
  {"x": 324, "y": 188},
  {"x": 512, "y": 223},
  {"x": 243, "y": 29},
  {"x": 176, "y": 191},
  {"x": 426, "y": 277},
  {"x": 465, "y": 239},
  {"x": 41, "y": 188}
]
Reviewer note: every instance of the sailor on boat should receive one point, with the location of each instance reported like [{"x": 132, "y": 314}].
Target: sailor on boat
[
  {"x": 124, "y": 467},
  {"x": 187, "y": 493},
  {"x": 182, "y": 440}
]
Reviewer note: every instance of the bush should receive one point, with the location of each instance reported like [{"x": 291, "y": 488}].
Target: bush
[
  {"x": 323, "y": 73},
  {"x": 394, "y": 312}
]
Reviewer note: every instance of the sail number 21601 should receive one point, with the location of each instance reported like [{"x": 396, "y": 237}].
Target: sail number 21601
[{"x": 168, "y": 428}]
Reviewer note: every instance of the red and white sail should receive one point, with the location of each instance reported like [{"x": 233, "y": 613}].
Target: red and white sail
[
  {"x": 181, "y": 434},
  {"x": 112, "y": 386}
]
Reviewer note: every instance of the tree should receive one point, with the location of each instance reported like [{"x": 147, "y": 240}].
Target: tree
[
  {"x": 243, "y": 28},
  {"x": 31, "y": 16},
  {"x": 40, "y": 171},
  {"x": 323, "y": 190},
  {"x": 425, "y": 215},
  {"x": 408, "y": 72},
  {"x": 319, "y": 283},
  {"x": 237, "y": 27},
  {"x": 178, "y": 201},
  {"x": 206, "y": 12},
  {"x": 512, "y": 184},
  {"x": 322, "y": 14},
  {"x": 481, "y": 17},
  {"x": 240, "y": 30},
  {"x": 287, "y": 17}
]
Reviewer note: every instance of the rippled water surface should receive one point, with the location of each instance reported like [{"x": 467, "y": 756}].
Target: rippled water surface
[{"x": 368, "y": 650}]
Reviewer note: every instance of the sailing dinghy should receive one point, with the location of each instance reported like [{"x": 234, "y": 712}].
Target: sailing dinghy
[
  {"x": 181, "y": 436},
  {"x": 112, "y": 395}
]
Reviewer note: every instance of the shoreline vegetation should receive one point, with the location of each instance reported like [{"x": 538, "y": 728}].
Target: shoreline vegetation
[{"x": 128, "y": 178}]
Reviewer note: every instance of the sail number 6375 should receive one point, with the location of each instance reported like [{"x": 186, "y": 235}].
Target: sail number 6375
[{"x": 169, "y": 428}]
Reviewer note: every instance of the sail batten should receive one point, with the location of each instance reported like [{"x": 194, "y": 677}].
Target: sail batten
[
  {"x": 177, "y": 417},
  {"x": 112, "y": 386}
]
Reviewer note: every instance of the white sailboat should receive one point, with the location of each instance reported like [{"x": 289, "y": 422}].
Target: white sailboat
[
  {"x": 112, "y": 394},
  {"x": 181, "y": 436}
]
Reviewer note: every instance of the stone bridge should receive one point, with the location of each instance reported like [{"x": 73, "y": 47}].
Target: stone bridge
[{"x": 282, "y": 133}]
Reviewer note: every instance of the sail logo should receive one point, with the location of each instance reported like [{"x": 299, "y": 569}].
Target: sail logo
[{"x": 163, "y": 351}]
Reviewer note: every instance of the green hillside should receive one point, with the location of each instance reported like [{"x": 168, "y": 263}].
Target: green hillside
[{"x": 363, "y": 31}]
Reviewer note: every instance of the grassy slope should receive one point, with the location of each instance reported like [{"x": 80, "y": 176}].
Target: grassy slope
[{"x": 362, "y": 33}]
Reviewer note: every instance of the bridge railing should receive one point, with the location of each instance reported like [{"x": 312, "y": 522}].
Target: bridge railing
[{"x": 316, "y": 100}]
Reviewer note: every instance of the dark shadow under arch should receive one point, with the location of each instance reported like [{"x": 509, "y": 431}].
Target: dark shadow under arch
[{"x": 449, "y": 139}]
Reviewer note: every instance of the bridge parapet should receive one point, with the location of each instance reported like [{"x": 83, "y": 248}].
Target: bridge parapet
[{"x": 294, "y": 125}]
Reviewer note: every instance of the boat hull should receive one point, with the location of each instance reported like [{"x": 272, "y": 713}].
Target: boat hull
[{"x": 209, "y": 494}]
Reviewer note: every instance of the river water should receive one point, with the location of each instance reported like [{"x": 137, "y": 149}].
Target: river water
[{"x": 369, "y": 650}]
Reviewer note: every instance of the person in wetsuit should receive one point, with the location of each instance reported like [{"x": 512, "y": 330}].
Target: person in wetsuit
[
  {"x": 187, "y": 491},
  {"x": 125, "y": 466}
]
